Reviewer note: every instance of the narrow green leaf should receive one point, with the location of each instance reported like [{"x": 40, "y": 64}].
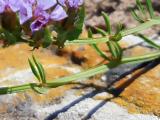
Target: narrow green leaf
[
  {"x": 116, "y": 37},
  {"x": 112, "y": 49},
  {"x": 119, "y": 50},
  {"x": 40, "y": 90},
  {"x": 119, "y": 28},
  {"x": 34, "y": 70},
  {"x": 101, "y": 31},
  {"x": 136, "y": 17},
  {"x": 99, "y": 52},
  {"x": 107, "y": 21},
  {"x": 43, "y": 71},
  {"x": 140, "y": 7},
  {"x": 115, "y": 50},
  {"x": 150, "y": 42},
  {"x": 141, "y": 27},
  {"x": 90, "y": 34},
  {"x": 40, "y": 70},
  {"x": 150, "y": 8},
  {"x": 88, "y": 41}
]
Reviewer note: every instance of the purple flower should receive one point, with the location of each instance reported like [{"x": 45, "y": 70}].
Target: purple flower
[
  {"x": 38, "y": 24},
  {"x": 31, "y": 1},
  {"x": 62, "y": 2},
  {"x": 25, "y": 12},
  {"x": 2, "y": 6},
  {"x": 9, "y": 4},
  {"x": 58, "y": 13},
  {"x": 71, "y": 3},
  {"x": 46, "y": 4},
  {"x": 75, "y": 3},
  {"x": 40, "y": 12},
  {"x": 42, "y": 18}
]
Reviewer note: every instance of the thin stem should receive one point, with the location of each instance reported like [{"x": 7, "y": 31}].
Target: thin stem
[
  {"x": 105, "y": 39},
  {"x": 16, "y": 89},
  {"x": 84, "y": 74},
  {"x": 88, "y": 41},
  {"x": 142, "y": 58},
  {"x": 141, "y": 27}
]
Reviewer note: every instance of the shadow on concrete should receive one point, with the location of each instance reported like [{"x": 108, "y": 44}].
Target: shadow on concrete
[
  {"x": 65, "y": 108},
  {"x": 96, "y": 108}
]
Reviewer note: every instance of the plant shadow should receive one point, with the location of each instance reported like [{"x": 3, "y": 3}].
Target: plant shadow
[{"x": 115, "y": 91}]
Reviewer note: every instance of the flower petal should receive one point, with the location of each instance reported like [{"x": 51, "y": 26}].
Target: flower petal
[
  {"x": 2, "y": 6},
  {"x": 14, "y": 5},
  {"x": 75, "y": 3},
  {"x": 38, "y": 24},
  {"x": 58, "y": 13},
  {"x": 46, "y": 4},
  {"x": 25, "y": 12}
]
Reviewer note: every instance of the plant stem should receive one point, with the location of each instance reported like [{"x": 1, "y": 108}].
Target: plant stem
[
  {"x": 143, "y": 58},
  {"x": 84, "y": 74},
  {"x": 141, "y": 27},
  {"x": 15, "y": 89},
  {"x": 88, "y": 41},
  {"x": 105, "y": 39}
]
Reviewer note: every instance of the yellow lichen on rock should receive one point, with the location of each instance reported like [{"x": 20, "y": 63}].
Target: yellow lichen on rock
[
  {"x": 143, "y": 95},
  {"x": 14, "y": 60}
]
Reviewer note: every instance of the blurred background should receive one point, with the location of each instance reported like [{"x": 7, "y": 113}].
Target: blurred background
[{"x": 118, "y": 10}]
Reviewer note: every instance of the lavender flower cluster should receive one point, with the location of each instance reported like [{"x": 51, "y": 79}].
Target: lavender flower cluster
[{"x": 39, "y": 12}]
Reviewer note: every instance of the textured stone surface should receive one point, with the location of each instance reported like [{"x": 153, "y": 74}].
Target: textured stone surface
[
  {"x": 15, "y": 70},
  {"x": 139, "y": 101},
  {"x": 86, "y": 99},
  {"x": 143, "y": 95},
  {"x": 118, "y": 11}
]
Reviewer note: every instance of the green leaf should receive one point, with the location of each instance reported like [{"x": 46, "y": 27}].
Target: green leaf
[
  {"x": 40, "y": 90},
  {"x": 119, "y": 50},
  {"x": 99, "y": 52},
  {"x": 101, "y": 31},
  {"x": 150, "y": 8},
  {"x": 119, "y": 28},
  {"x": 136, "y": 17},
  {"x": 140, "y": 6},
  {"x": 88, "y": 41},
  {"x": 107, "y": 21},
  {"x": 142, "y": 58},
  {"x": 150, "y": 42},
  {"x": 116, "y": 37},
  {"x": 9, "y": 37},
  {"x": 47, "y": 38},
  {"x": 141, "y": 27},
  {"x": 115, "y": 50},
  {"x": 40, "y": 70},
  {"x": 34, "y": 70},
  {"x": 72, "y": 27},
  {"x": 112, "y": 49},
  {"x": 90, "y": 34},
  {"x": 43, "y": 71}
]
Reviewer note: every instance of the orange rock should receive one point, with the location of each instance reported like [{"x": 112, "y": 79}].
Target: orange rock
[{"x": 143, "y": 95}]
